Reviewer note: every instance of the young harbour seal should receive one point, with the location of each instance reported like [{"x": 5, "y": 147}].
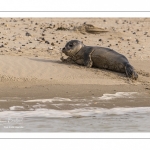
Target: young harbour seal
[{"x": 100, "y": 57}]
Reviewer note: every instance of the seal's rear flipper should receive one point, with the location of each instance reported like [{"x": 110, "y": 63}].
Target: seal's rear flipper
[{"x": 130, "y": 72}]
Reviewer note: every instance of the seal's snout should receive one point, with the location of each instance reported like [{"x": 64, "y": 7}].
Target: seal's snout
[{"x": 63, "y": 50}]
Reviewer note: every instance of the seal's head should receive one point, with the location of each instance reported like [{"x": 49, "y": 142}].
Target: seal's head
[{"x": 72, "y": 47}]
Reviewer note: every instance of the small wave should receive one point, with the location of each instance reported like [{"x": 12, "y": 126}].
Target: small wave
[
  {"x": 49, "y": 100},
  {"x": 83, "y": 112},
  {"x": 16, "y": 108},
  {"x": 118, "y": 95}
]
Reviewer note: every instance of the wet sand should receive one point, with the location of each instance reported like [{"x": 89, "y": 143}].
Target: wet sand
[{"x": 18, "y": 95}]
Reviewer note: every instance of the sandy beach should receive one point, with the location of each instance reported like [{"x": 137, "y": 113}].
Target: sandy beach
[{"x": 30, "y": 52}]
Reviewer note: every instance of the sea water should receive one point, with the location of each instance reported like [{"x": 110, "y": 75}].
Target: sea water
[{"x": 76, "y": 115}]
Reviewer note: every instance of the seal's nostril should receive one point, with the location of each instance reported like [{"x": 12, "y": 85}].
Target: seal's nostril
[{"x": 63, "y": 50}]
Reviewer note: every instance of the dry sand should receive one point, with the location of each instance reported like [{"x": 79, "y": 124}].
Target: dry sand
[{"x": 30, "y": 51}]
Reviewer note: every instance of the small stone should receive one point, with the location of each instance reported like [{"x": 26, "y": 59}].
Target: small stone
[
  {"x": 46, "y": 42},
  {"x": 50, "y": 48},
  {"x": 52, "y": 44},
  {"x": 145, "y": 33},
  {"x": 43, "y": 39},
  {"x": 137, "y": 40},
  {"x": 1, "y": 46},
  {"x": 28, "y": 34}
]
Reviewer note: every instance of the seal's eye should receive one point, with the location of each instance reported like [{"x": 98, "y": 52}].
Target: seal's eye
[{"x": 70, "y": 45}]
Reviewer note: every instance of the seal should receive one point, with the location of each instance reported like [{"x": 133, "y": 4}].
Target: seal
[{"x": 100, "y": 57}]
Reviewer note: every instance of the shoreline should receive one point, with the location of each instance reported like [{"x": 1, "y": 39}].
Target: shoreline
[{"x": 15, "y": 96}]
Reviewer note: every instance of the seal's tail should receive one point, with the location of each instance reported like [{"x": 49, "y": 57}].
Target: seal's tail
[{"x": 130, "y": 72}]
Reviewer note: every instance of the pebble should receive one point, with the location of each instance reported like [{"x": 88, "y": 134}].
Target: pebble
[
  {"x": 1, "y": 46},
  {"x": 28, "y": 34},
  {"x": 50, "y": 48},
  {"x": 42, "y": 38},
  {"x": 145, "y": 33},
  {"x": 46, "y": 42},
  {"x": 137, "y": 41},
  {"x": 52, "y": 44}
]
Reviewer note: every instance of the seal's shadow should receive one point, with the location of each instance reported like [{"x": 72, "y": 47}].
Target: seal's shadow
[
  {"x": 46, "y": 60},
  {"x": 73, "y": 64},
  {"x": 52, "y": 61}
]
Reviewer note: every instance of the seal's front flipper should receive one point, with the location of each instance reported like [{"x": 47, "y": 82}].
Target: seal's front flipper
[
  {"x": 130, "y": 72},
  {"x": 87, "y": 58},
  {"x": 67, "y": 60}
]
